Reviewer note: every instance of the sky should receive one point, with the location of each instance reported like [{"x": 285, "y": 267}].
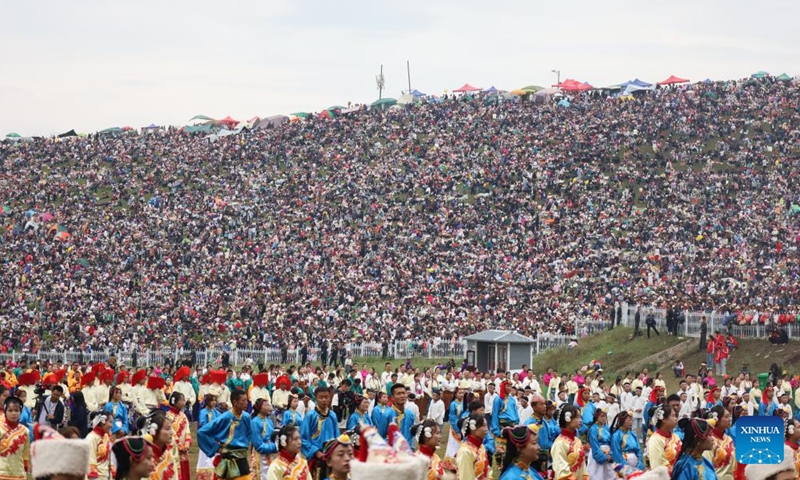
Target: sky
[{"x": 94, "y": 64}]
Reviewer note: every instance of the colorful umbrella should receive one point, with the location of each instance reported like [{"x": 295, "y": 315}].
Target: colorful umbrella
[
  {"x": 13, "y": 135},
  {"x": 384, "y": 103},
  {"x": 46, "y": 217}
]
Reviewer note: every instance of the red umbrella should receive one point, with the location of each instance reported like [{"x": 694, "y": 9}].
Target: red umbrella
[
  {"x": 229, "y": 121},
  {"x": 46, "y": 216}
]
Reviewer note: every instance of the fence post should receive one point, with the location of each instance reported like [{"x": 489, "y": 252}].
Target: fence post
[{"x": 537, "y": 345}]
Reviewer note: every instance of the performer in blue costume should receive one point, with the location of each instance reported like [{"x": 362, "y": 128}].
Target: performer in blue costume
[
  {"x": 456, "y": 412},
  {"x": 291, "y": 416},
  {"x": 624, "y": 442},
  {"x": 119, "y": 412},
  {"x": 361, "y": 415},
  {"x": 230, "y": 436},
  {"x": 691, "y": 464},
  {"x": 380, "y": 414},
  {"x": 400, "y": 415},
  {"x": 504, "y": 412},
  {"x": 319, "y": 426},
  {"x": 206, "y": 415},
  {"x": 262, "y": 436},
  {"x": 522, "y": 450}
]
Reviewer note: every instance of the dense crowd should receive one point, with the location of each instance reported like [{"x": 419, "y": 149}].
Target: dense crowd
[{"x": 436, "y": 220}]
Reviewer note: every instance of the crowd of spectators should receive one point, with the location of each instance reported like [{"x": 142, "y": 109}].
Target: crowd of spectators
[{"x": 434, "y": 220}]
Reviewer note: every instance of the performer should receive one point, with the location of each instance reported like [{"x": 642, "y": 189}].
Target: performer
[
  {"x": 713, "y": 398},
  {"x": 119, "y": 414},
  {"x": 428, "y": 436},
  {"x": 27, "y": 384},
  {"x": 319, "y": 426},
  {"x": 290, "y": 463},
  {"x": 291, "y": 416},
  {"x": 258, "y": 390},
  {"x": 87, "y": 388},
  {"x": 133, "y": 457},
  {"x": 625, "y": 448},
  {"x": 361, "y": 415},
  {"x": 472, "y": 462},
  {"x": 181, "y": 432},
  {"x": 767, "y": 406},
  {"x": 229, "y": 436},
  {"x": 262, "y": 435},
  {"x": 209, "y": 413},
  {"x": 568, "y": 453},
  {"x": 153, "y": 396},
  {"x": 456, "y": 412},
  {"x": 124, "y": 384},
  {"x": 183, "y": 385},
  {"x": 600, "y": 464},
  {"x": 138, "y": 392},
  {"x": 15, "y": 445},
  {"x": 548, "y": 431},
  {"x": 504, "y": 413},
  {"x": 691, "y": 464},
  {"x": 380, "y": 414},
  {"x": 337, "y": 454},
  {"x": 791, "y": 432},
  {"x": 664, "y": 445},
  {"x": 100, "y": 438},
  {"x": 721, "y": 454},
  {"x": 219, "y": 389},
  {"x": 157, "y": 431},
  {"x": 522, "y": 450},
  {"x": 400, "y": 414}
]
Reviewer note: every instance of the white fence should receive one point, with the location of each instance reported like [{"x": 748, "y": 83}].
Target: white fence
[{"x": 722, "y": 321}]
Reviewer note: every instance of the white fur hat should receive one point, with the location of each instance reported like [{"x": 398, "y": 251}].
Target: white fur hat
[
  {"x": 762, "y": 472},
  {"x": 52, "y": 454},
  {"x": 413, "y": 468}
]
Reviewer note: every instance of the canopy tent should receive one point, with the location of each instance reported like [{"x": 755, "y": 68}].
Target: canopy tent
[
  {"x": 466, "y": 88},
  {"x": 227, "y": 121},
  {"x": 299, "y": 114},
  {"x": 205, "y": 128},
  {"x": 532, "y": 88},
  {"x": 760, "y": 74},
  {"x": 273, "y": 121},
  {"x": 13, "y": 135},
  {"x": 631, "y": 88},
  {"x": 707, "y": 81},
  {"x": 672, "y": 80},
  {"x": 383, "y": 103},
  {"x": 519, "y": 92},
  {"x": 636, "y": 83},
  {"x": 570, "y": 85},
  {"x": 111, "y": 131},
  {"x": 417, "y": 93},
  {"x": 611, "y": 88},
  {"x": 784, "y": 77},
  {"x": 407, "y": 99},
  {"x": 201, "y": 117},
  {"x": 490, "y": 89},
  {"x": 334, "y": 108},
  {"x": 71, "y": 133}
]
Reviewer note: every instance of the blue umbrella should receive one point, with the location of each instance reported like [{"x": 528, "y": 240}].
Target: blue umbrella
[{"x": 30, "y": 213}]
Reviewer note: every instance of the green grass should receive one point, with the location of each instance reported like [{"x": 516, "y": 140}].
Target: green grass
[{"x": 612, "y": 348}]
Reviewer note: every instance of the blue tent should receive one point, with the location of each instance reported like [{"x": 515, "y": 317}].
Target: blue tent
[
  {"x": 491, "y": 89},
  {"x": 417, "y": 93},
  {"x": 707, "y": 80},
  {"x": 636, "y": 83}
]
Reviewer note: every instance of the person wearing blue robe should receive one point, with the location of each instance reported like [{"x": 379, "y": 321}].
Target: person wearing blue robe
[
  {"x": 766, "y": 409},
  {"x": 679, "y": 432},
  {"x": 357, "y": 418},
  {"x": 292, "y": 417},
  {"x": 623, "y": 442},
  {"x": 262, "y": 437},
  {"x": 404, "y": 419},
  {"x": 456, "y": 411},
  {"x": 488, "y": 440},
  {"x": 504, "y": 413},
  {"x": 515, "y": 472},
  {"x": 231, "y": 435},
  {"x": 587, "y": 418},
  {"x": 599, "y": 436},
  {"x": 26, "y": 418},
  {"x": 319, "y": 426},
  {"x": 688, "y": 468},
  {"x": 380, "y": 415},
  {"x": 119, "y": 413},
  {"x": 206, "y": 415}
]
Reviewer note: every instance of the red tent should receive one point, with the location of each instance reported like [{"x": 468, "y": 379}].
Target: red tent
[
  {"x": 228, "y": 121},
  {"x": 571, "y": 85},
  {"x": 673, "y": 80},
  {"x": 466, "y": 88}
]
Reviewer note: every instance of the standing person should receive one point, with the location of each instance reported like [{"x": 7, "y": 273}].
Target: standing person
[
  {"x": 157, "y": 430},
  {"x": 290, "y": 464},
  {"x": 637, "y": 318},
  {"x": 650, "y": 321},
  {"x": 263, "y": 429},
  {"x": 50, "y": 410},
  {"x": 428, "y": 435},
  {"x": 229, "y": 436},
  {"x": 361, "y": 414},
  {"x": 722, "y": 454},
  {"x": 522, "y": 450},
  {"x": 183, "y": 385},
  {"x": 625, "y": 448},
  {"x": 664, "y": 445},
  {"x": 436, "y": 409},
  {"x": 472, "y": 462},
  {"x": 15, "y": 445},
  {"x": 505, "y": 413},
  {"x": 100, "y": 438},
  {"x": 79, "y": 414},
  {"x": 569, "y": 457},
  {"x": 182, "y": 435},
  {"x": 380, "y": 414},
  {"x": 400, "y": 415},
  {"x": 133, "y": 458},
  {"x": 119, "y": 414},
  {"x": 337, "y": 454},
  {"x": 454, "y": 438},
  {"x": 703, "y": 332},
  {"x": 600, "y": 461},
  {"x": 209, "y": 413},
  {"x": 691, "y": 464},
  {"x": 291, "y": 416},
  {"x": 319, "y": 426}
]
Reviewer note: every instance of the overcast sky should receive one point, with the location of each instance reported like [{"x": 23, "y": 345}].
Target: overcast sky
[{"x": 90, "y": 65}]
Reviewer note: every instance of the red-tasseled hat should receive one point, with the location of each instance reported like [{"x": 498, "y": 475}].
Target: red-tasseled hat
[
  {"x": 139, "y": 376},
  {"x": 260, "y": 379},
  {"x": 121, "y": 376},
  {"x": 87, "y": 379},
  {"x": 155, "y": 383},
  {"x": 107, "y": 375},
  {"x": 98, "y": 369},
  {"x": 764, "y": 398},
  {"x": 182, "y": 373},
  {"x": 27, "y": 379},
  {"x": 579, "y": 397},
  {"x": 219, "y": 376},
  {"x": 283, "y": 382},
  {"x": 654, "y": 394},
  {"x": 60, "y": 374}
]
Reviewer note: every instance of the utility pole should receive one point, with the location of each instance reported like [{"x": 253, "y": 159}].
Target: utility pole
[
  {"x": 380, "y": 81},
  {"x": 558, "y": 74},
  {"x": 408, "y": 69}
]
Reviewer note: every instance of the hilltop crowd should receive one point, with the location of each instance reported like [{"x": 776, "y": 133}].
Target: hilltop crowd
[{"x": 435, "y": 220}]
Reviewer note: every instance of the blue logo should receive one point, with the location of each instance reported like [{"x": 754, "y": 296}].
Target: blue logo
[{"x": 759, "y": 440}]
